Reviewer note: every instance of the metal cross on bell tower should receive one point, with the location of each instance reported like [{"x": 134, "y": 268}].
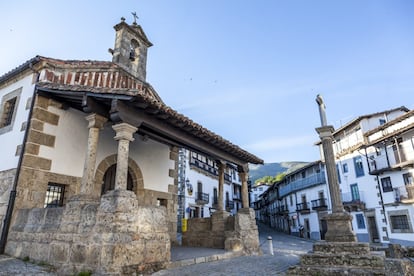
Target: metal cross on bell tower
[{"x": 134, "y": 14}]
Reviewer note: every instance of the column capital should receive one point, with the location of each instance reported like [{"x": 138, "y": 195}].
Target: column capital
[
  {"x": 124, "y": 131},
  {"x": 243, "y": 168},
  {"x": 325, "y": 131},
  {"x": 95, "y": 120}
]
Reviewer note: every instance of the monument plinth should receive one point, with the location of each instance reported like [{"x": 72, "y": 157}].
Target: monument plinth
[{"x": 340, "y": 253}]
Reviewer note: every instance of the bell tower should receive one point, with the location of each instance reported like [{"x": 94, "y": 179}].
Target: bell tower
[{"x": 130, "y": 51}]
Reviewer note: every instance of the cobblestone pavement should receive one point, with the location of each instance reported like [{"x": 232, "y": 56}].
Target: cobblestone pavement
[
  {"x": 287, "y": 250},
  {"x": 12, "y": 266}
]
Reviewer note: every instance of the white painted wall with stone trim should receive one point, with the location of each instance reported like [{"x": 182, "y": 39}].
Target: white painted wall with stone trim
[
  {"x": 10, "y": 140},
  {"x": 71, "y": 133},
  {"x": 151, "y": 157},
  {"x": 68, "y": 154}
]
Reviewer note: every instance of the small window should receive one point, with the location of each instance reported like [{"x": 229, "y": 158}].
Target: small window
[
  {"x": 345, "y": 167},
  {"x": 355, "y": 192},
  {"x": 8, "y": 110},
  {"x": 54, "y": 195},
  {"x": 408, "y": 179},
  {"x": 359, "y": 168},
  {"x": 360, "y": 221},
  {"x": 386, "y": 184},
  {"x": 400, "y": 222},
  {"x": 337, "y": 172},
  {"x": 215, "y": 197},
  {"x": 382, "y": 121},
  {"x": 291, "y": 200}
]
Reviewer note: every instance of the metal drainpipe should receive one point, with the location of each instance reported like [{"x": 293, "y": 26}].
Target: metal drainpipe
[
  {"x": 379, "y": 189},
  {"x": 10, "y": 206}
]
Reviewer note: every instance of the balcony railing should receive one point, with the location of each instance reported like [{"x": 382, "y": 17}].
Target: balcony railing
[
  {"x": 404, "y": 194},
  {"x": 315, "y": 179},
  {"x": 202, "y": 198},
  {"x": 393, "y": 160},
  {"x": 282, "y": 209},
  {"x": 303, "y": 207},
  {"x": 208, "y": 168},
  {"x": 353, "y": 201},
  {"x": 319, "y": 204}
]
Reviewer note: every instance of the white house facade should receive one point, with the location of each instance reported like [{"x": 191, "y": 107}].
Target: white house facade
[
  {"x": 298, "y": 203},
  {"x": 375, "y": 164},
  {"x": 199, "y": 190},
  {"x": 362, "y": 194}
]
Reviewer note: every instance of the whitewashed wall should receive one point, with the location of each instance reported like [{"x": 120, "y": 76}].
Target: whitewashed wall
[
  {"x": 68, "y": 155},
  {"x": 10, "y": 140}
]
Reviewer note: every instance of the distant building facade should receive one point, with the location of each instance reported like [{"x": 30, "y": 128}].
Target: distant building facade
[{"x": 199, "y": 188}]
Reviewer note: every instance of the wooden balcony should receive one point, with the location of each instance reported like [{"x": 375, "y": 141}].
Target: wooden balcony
[
  {"x": 404, "y": 194},
  {"x": 282, "y": 210},
  {"x": 320, "y": 204},
  {"x": 202, "y": 198},
  {"x": 394, "y": 160},
  {"x": 303, "y": 208}
]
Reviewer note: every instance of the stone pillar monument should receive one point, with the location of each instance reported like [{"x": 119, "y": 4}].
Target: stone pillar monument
[
  {"x": 340, "y": 254},
  {"x": 339, "y": 222}
]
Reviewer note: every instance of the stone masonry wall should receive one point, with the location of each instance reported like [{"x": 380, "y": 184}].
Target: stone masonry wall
[
  {"x": 6, "y": 185},
  {"x": 233, "y": 233},
  {"x": 113, "y": 237},
  {"x": 32, "y": 184}
]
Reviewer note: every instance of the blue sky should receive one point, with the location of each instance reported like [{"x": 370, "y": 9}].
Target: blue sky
[{"x": 248, "y": 70}]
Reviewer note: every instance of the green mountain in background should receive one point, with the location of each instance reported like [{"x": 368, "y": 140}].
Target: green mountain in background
[{"x": 273, "y": 169}]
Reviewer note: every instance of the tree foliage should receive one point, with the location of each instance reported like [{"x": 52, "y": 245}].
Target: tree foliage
[{"x": 270, "y": 179}]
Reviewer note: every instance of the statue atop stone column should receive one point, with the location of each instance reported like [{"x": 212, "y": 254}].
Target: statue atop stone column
[
  {"x": 322, "y": 112},
  {"x": 339, "y": 221}
]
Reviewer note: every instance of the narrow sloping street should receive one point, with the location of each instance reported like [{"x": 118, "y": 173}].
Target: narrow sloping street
[{"x": 287, "y": 250}]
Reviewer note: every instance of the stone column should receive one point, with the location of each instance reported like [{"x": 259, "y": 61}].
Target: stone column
[
  {"x": 221, "y": 185},
  {"x": 339, "y": 222},
  {"x": 325, "y": 134},
  {"x": 244, "y": 190},
  {"x": 95, "y": 125},
  {"x": 124, "y": 135}
]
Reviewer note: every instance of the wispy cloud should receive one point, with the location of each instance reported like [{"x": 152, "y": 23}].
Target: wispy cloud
[{"x": 282, "y": 143}]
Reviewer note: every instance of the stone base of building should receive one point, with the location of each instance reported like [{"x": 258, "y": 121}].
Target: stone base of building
[
  {"x": 348, "y": 258},
  {"x": 112, "y": 237},
  {"x": 232, "y": 233}
]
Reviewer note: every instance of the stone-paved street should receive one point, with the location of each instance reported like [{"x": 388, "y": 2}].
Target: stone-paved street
[{"x": 287, "y": 251}]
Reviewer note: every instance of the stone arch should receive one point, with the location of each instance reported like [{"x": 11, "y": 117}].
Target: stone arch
[{"x": 133, "y": 168}]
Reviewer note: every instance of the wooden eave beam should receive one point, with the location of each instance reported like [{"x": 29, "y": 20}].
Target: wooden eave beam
[
  {"x": 125, "y": 113},
  {"x": 90, "y": 105}
]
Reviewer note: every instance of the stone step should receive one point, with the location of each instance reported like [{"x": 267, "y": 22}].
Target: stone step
[
  {"x": 356, "y": 248},
  {"x": 336, "y": 260},
  {"x": 333, "y": 271}
]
